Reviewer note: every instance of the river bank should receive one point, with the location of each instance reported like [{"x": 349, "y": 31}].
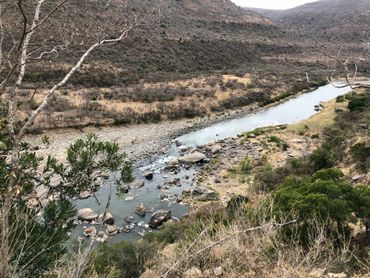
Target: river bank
[{"x": 141, "y": 142}]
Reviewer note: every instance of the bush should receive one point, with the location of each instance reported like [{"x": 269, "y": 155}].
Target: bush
[
  {"x": 124, "y": 259},
  {"x": 361, "y": 154},
  {"x": 324, "y": 198}
]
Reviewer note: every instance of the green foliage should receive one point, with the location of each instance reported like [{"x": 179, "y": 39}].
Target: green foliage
[
  {"x": 323, "y": 197},
  {"x": 340, "y": 99},
  {"x": 246, "y": 166},
  {"x": 123, "y": 260},
  {"x": 361, "y": 154},
  {"x": 362, "y": 204},
  {"x": 358, "y": 103}
]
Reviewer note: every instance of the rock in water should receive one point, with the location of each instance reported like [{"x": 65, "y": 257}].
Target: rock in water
[
  {"x": 87, "y": 214},
  {"x": 192, "y": 158},
  {"x": 137, "y": 184},
  {"x": 90, "y": 231},
  {"x": 112, "y": 230},
  {"x": 149, "y": 175},
  {"x": 85, "y": 195},
  {"x": 108, "y": 218},
  {"x": 159, "y": 217},
  {"x": 101, "y": 237},
  {"x": 140, "y": 210}
]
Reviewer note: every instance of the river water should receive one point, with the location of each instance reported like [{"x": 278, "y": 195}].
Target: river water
[{"x": 289, "y": 112}]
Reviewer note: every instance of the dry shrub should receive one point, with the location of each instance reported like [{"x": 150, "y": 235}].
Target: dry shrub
[{"x": 242, "y": 249}]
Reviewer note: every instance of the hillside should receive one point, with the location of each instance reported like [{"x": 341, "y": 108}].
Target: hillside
[
  {"x": 183, "y": 37},
  {"x": 333, "y": 20}
]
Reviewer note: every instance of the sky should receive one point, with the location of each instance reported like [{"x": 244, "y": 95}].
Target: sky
[{"x": 271, "y": 4}]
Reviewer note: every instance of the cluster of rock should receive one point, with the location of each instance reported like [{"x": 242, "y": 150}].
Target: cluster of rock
[{"x": 102, "y": 226}]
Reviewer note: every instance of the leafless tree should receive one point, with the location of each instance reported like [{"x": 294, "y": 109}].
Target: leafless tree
[{"x": 33, "y": 33}]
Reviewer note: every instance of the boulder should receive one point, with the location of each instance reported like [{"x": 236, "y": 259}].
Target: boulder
[
  {"x": 90, "y": 231},
  {"x": 149, "y": 175},
  {"x": 140, "y": 210},
  {"x": 112, "y": 230},
  {"x": 216, "y": 148},
  {"x": 86, "y": 214},
  {"x": 108, "y": 218},
  {"x": 101, "y": 237},
  {"x": 136, "y": 184},
  {"x": 84, "y": 195},
  {"x": 159, "y": 217},
  {"x": 173, "y": 164},
  {"x": 192, "y": 158}
]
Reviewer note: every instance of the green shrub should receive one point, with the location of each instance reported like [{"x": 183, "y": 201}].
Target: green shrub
[
  {"x": 323, "y": 198},
  {"x": 124, "y": 259}
]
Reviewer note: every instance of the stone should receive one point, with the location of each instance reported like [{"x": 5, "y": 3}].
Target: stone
[
  {"x": 149, "y": 175},
  {"x": 140, "y": 210},
  {"x": 112, "y": 230},
  {"x": 202, "y": 193},
  {"x": 183, "y": 148},
  {"x": 108, "y": 218},
  {"x": 159, "y": 217},
  {"x": 128, "y": 219},
  {"x": 216, "y": 148},
  {"x": 101, "y": 237},
  {"x": 136, "y": 184},
  {"x": 192, "y": 158},
  {"x": 173, "y": 164},
  {"x": 84, "y": 195},
  {"x": 86, "y": 214},
  {"x": 90, "y": 231},
  {"x": 193, "y": 273},
  {"x": 358, "y": 177}
]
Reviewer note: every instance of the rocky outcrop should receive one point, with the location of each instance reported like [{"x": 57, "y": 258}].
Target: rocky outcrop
[{"x": 159, "y": 217}]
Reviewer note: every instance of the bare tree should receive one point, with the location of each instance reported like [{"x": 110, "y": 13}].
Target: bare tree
[{"x": 26, "y": 42}]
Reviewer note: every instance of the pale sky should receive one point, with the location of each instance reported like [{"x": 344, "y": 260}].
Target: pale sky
[{"x": 271, "y": 4}]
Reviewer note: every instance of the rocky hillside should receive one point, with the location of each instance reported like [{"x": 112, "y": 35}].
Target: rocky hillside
[
  {"x": 334, "y": 20},
  {"x": 186, "y": 38}
]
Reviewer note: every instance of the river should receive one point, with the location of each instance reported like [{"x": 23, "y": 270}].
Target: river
[{"x": 153, "y": 198}]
